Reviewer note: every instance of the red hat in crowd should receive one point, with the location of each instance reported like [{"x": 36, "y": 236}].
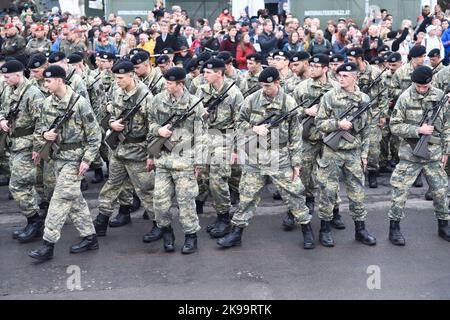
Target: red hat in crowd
[
  {"x": 65, "y": 26},
  {"x": 40, "y": 27},
  {"x": 9, "y": 26}
]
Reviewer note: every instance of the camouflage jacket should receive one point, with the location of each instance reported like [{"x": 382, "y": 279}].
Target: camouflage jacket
[
  {"x": 96, "y": 92},
  {"x": 311, "y": 89},
  {"x": 332, "y": 105},
  {"x": 108, "y": 80},
  {"x": 189, "y": 133},
  {"x": 69, "y": 47},
  {"x": 332, "y": 76},
  {"x": 387, "y": 82},
  {"x": 252, "y": 79},
  {"x": 195, "y": 83},
  {"x": 38, "y": 45},
  {"x": 240, "y": 81},
  {"x": 40, "y": 85},
  {"x": 439, "y": 68},
  {"x": 151, "y": 79},
  {"x": 29, "y": 98},
  {"x": 365, "y": 78},
  {"x": 284, "y": 81},
  {"x": 82, "y": 128},
  {"x": 77, "y": 84},
  {"x": 292, "y": 83},
  {"x": 287, "y": 134},
  {"x": 401, "y": 80},
  {"x": 188, "y": 80},
  {"x": 405, "y": 119},
  {"x": 137, "y": 127},
  {"x": 442, "y": 78},
  {"x": 14, "y": 46}
]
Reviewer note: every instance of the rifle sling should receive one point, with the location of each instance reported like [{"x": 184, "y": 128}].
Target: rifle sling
[
  {"x": 70, "y": 146},
  {"x": 134, "y": 140},
  {"x": 22, "y": 132}
]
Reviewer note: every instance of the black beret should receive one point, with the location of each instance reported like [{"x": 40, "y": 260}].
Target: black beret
[
  {"x": 386, "y": 55},
  {"x": 321, "y": 58},
  {"x": 355, "y": 52},
  {"x": 123, "y": 67},
  {"x": 74, "y": 58},
  {"x": 272, "y": 53},
  {"x": 383, "y": 48},
  {"x": 347, "y": 67},
  {"x": 422, "y": 75},
  {"x": 56, "y": 57},
  {"x": 54, "y": 72},
  {"x": 394, "y": 57},
  {"x": 192, "y": 65},
  {"x": 337, "y": 58},
  {"x": 280, "y": 53},
  {"x": 162, "y": 59},
  {"x": 12, "y": 66},
  {"x": 9, "y": 59},
  {"x": 81, "y": 54},
  {"x": 434, "y": 53},
  {"x": 225, "y": 56},
  {"x": 214, "y": 63},
  {"x": 175, "y": 74},
  {"x": 204, "y": 56},
  {"x": 140, "y": 57},
  {"x": 167, "y": 51},
  {"x": 107, "y": 56},
  {"x": 269, "y": 75},
  {"x": 328, "y": 52},
  {"x": 136, "y": 50},
  {"x": 300, "y": 56},
  {"x": 377, "y": 60},
  {"x": 417, "y": 51},
  {"x": 214, "y": 54},
  {"x": 37, "y": 60},
  {"x": 254, "y": 57}
]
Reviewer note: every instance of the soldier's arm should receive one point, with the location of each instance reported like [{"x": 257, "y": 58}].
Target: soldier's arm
[
  {"x": 445, "y": 135},
  {"x": 398, "y": 125},
  {"x": 21, "y": 43},
  {"x": 81, "y": 89},
  {"x": 153, "y": 119},
  {"x": 200, "y": 146},
  {"x": 295, "y": 138},
  {"x": 243, "y": 121},
  {"x": 238, "y": 101},
  {"x": 324, "y": 120},
  {"x": 396, "y": 89},
  {"x": 42, "y": 125},
  {"x": 299, "y": 96},
  {"x": 92, "y": 133}
]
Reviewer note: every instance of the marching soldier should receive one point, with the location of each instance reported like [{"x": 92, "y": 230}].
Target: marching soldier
[
  {"x": 300, "y": 69},
  {"x": 129, "y": 161},
  {"x": 281, "y": 63},
  {"x": 418, "y": 101},
  {"x": 335, "y": 61},
  {"x": 231, "y": 73},
  {"x": 40, "y": 43},
  {"x": 435, "y": 60},
  {"x": 163, "y": 63},
  {"x": 199, "y": 80},
  {"x": 146, "y": 73},
  {"x": 73, "y": 43},
  {"x": 254, "y": 69},
  {"x": 175, "y": 176},
  {"x": 15, "y": 44},
  {"x": 280, "y": 165},
  {"x": 18, "y": 116},
  {"x": 79, "y": 140},
  {"x": 350, "y": 158},
  {"x": 193, "y": 71}
]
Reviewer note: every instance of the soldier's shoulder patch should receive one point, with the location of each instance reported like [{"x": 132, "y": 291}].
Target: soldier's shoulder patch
[{"x": 90, "y": 117}]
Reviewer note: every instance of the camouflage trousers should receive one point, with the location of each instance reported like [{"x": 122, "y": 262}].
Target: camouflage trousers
[
  {"x": 45, "y": 180},
  {"x": 101, "y": 157},
  {"x": 402, "y": 179},
  {"x": 235, "y": 179},
  {"x": 389, "y": 146},
  {"x": 331, "y": 166},
  {"x": 22, "y": 182},
  {"x": 182, "y": 185},
  {"x": 67, "y": 200},
  {"x": 374, "y": 148},
  {"x": 121, "y": 172},
  {"x": 219, "y": 176},
  {"x": 310, "y": 154},
  {"x": 4, "y": 165},
  {"x": 250, "y": 189},
  {"x": 204, "y": 183}
]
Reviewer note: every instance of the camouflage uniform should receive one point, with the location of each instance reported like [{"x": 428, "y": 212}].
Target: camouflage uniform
[
  {"x": 38, "y": 45},
  {"x": 252, "y": 79},
  {"x": 240, "y": 81},
  {"x": 441, "y": 79},
  {"x": 347, "y": 159},
  {"x": 292, "y": 83},
  {"x": 285, "y": 81},
  {"x": 188, "y": 80},
  {"x": 332, "y": 76},
  {"x": 76, "y": 83},
  {"x": 80, "y": 140},
  {"x": 311, "y": 147},
  {"x": 405, "y": 119},
  {"x": 220, "y": 143},
  {"x": 69, "y": 47},
  {"x": 128, "y": 161},
  {"x": 196, "y": 83},
  {"x": 275, "y": 165},
  {"x": 14, "y": 46},
  {"x": 4, "y": 158},
  {"x": 23, "y": 172},
  {"x": 151, "y": 79},
  {"x": 175, "y": 170}
]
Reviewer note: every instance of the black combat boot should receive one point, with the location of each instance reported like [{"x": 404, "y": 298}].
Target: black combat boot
[
  {"x": 418, "y": 182},
  {"x": 444, "y": 230},
  {"x": 136, "y": 204},
  {"x": 211, "y": 226},
  {"x": 373, "y": 183},
  {"x": 325, "y": 235},
  {"x": 190, "y": 243},
  {"x": 168, "y": 239},
  {"x": 309, "y": 201},
  {"x": 395, "y": 236},
  {"x": 362, "y": 235},
  {"x": 44, "y": 252},
  {"x": 145, "y": 215},
  {"x": 288, "y": 221},
  {"x": 122, "y": 218},
  {"x": 222, "y": 227},
  {"x": 44, "y": 207},
  {"x": 154, "y": 234},
  {"x": 232, "y": 239},
  {"x": 308, "y": 236},
  {"x": 98, "y": 176},
  {"x": 428, "y": 195},
  {"x": 84, "y": 185},
  {"x": 276, "y": 195},
  {"x": 33, "y": 230},
  {"x": 88, "y": 243},
  {"x": 337, "y": 222},
  {"x": 101, "y": 224},
  {"x": 199, "y": 206}
]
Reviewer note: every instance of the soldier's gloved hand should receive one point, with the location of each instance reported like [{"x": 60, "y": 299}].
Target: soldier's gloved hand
[
  {"x": 312, "y": 111},
  {"x": 345, "y": 124},
  {"x": 36, "y": 157},
  {"x": 444, "y": 160},
  {"x": 426, "y": 129},
  {"x": 4, "y": 125},
  {"x": 117, "y": 125},
  {"x": 164, "y": 131},
  {"x": 261, "y": 130},
  {"x": 84, "y": 167},
  {"x": 50, "y": 135}
]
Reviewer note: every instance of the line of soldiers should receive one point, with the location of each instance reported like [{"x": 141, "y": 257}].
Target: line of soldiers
[{"x": 166, "y": 135}]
